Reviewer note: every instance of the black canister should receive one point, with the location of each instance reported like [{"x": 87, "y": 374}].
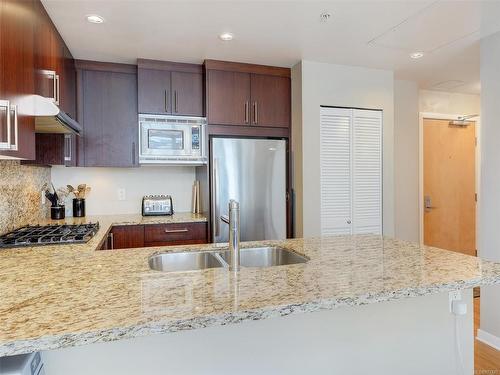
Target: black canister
[
  {"x": 78, "y": 207},
  {"x": 57, "y": 212}
]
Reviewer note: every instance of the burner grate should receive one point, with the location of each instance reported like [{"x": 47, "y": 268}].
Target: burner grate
[{"x": 49, "y": 235}]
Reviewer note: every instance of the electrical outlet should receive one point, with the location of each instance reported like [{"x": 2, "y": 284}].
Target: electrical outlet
[
  {"x": 122, "y": 194},
  {"x": 456, "y": 295}
]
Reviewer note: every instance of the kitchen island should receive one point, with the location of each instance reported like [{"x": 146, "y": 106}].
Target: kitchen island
[{"x": 56, "y": 299}]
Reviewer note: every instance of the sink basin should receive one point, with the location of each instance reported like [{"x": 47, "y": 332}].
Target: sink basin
[
  {"x": 188, "y": 261},
  {"x": 266, "y": 257}
]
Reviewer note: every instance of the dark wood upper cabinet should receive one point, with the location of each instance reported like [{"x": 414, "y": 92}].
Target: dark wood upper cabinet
[
  {"x": 247, "y": 94},
  {"x": 109, "y": 114},
  {"x": 228, "y": 97},
  {"x": 271, "y": 100},
  {"x": 187, "y": 91},
  {"x": 17, "y": 78},
  {"x": 54, "y": 78},
  {"x": 170, "y": 88},
  {"x": 67, "y": 101},
  {"x": 154, "y": 91},
  {"x": 48, "y": 56}
]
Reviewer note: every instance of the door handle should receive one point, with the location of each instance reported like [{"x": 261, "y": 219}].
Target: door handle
[
  {"x": 57, "y": 94},
  {"x": 67, "y": 147},
  {"x": 5, "y": 105},
  {"x": 255, "y": 113},
  {"x": 184, "y": 230},
  {"x": 215, "y": 208},
  {"x": 175, "y": 101},
  {"x": 166, "y": 100},
  {"x": 428, "y": 203},
  {"x": 111, "y": 241},
  {"x": 247, "y": 110},
  {"x": 13, "y": 110}
]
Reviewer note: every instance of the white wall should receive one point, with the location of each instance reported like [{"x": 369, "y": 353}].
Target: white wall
[
  {"x": 413, "y": 336},
  {"x": 406, "y": 160},
  {"x": 449, "y": 102},
  {"x": 105, "y": 182},
  {"x": 343, "y": 86},
  {"x": 489, "y": 202}
]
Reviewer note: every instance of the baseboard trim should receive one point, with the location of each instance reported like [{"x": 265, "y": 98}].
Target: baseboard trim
[{"x": 488, "y": 339}]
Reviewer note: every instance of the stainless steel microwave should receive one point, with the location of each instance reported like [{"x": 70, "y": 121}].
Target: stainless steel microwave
[{"x": 172, "y": 140}]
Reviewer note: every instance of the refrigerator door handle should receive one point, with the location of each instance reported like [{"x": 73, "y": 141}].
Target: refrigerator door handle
[{"x": 215, "y": 194}]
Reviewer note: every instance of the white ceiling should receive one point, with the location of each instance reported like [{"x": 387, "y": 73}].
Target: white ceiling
[{"x": 376, "y": 34}]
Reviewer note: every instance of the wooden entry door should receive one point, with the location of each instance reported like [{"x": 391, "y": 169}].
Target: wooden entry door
[{"x": 450, "y": 186}]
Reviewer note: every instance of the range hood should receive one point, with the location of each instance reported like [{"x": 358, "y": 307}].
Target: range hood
[{"x": 50, "y": 119}]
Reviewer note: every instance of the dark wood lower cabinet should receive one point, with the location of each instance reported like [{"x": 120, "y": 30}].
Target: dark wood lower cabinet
[
  {"x": 175, "y": 234},
  {"x": 132, "y": 236},
  {"x": 126, "y": 237}
]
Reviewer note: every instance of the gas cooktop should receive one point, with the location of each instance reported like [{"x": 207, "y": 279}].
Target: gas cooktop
[{"x": 49, "y": 235}]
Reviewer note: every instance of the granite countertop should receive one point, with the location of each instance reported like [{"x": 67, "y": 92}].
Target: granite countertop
[{"x": 67, "y": 295}]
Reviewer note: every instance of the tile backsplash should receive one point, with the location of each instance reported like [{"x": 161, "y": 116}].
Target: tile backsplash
[{"x": 20, "y": 194}]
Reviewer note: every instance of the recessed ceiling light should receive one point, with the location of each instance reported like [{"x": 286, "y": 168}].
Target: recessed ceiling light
[
  {"x": 325, "y": 17},
  {"x": 417, "y": 55},
  {"x": 94, "y": 18},
  {"x": 226, "y": 37}
]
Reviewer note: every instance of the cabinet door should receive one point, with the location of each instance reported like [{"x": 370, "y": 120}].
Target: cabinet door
[
  {"x": 187, "y": 91},
  {"x": 110, "y": 119},
  {"x": 16, "y": 74},
  {"x": 48, "y": 55},
  {"x": 126, "y": 237},
  {"x": 336, "y": 173},
  {"x": 367, "y": 171},
  {"x": 175, "y": 234},
  {"x": 228, "y": 98},
  {"x": 271, "y": 98},
  {"x": 67, "y": 96},
  {"x": 155, "y": 96}
]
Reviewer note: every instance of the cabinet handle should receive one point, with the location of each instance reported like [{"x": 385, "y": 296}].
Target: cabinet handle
[
  {"x": 133, "y": 153},
  {"x": 247, "y": 114},
  {"x": 14, "y": 146},
  {"x": 5, "y": 105},
  {"x": 166, "y": 101},
  {"x": 175, "y": 101},
  {"x": 111, "y": 241},
  {"x": 57, "y": 93},
  {"x": 67, "y": 147},
  {"x": 255, "y": 113},
  {"x": 176, "y": 230}
]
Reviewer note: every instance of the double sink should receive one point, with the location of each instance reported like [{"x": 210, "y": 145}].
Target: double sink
[{"x": 199, "y": 260}]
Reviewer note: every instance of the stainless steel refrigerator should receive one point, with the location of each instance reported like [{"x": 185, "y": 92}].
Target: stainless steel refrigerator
[{"x": 253, "y": 172}]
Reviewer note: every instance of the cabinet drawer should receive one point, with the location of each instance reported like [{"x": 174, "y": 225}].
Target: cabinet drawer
[{"x": 178, "y": 233}]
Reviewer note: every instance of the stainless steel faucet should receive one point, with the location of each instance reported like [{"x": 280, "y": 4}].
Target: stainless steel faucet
[{"x": 234, "y": 234}]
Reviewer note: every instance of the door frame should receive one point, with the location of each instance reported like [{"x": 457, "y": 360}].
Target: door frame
[{"x": 442, "y": 116}]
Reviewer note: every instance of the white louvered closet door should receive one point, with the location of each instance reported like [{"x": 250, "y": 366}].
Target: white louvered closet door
[
  {"x": 351, "y": 171},
  {"x": 367, "y": 172},
  {"x": 335, "y": 161}
]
